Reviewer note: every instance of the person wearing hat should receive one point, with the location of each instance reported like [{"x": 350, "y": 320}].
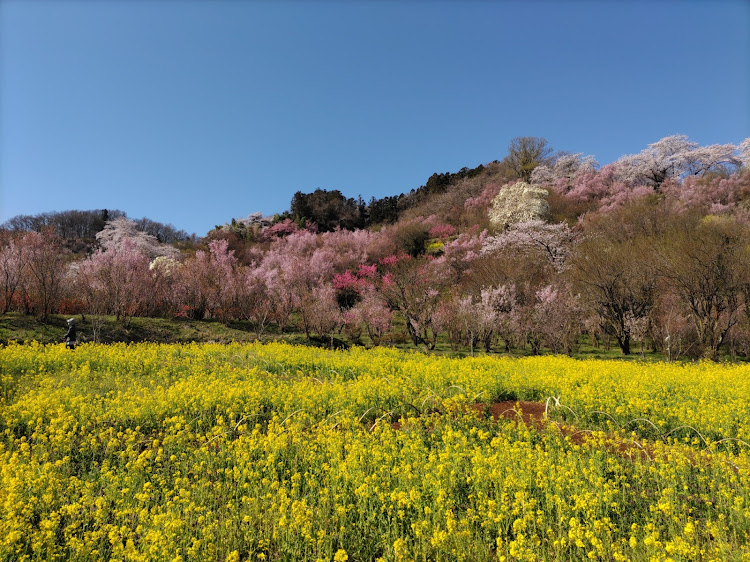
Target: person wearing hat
[{"x": 70, "y": 335}]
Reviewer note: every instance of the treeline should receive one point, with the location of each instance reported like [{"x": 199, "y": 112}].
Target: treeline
[
  {"x": 651, "y": 251},
  {"x": 328, "y": 210},
  {"x": 78, "y": 229}
]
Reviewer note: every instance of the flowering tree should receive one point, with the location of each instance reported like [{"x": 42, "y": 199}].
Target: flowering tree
[
  {"x": 743, "y": 152},
  {"x": 554, "y": 241},
  {"x": 321, "y": 312},
  {"x": 460, "y": 254},
  {"x": 557, "y": 318},
  {"x": 673, "y": 157},
  {"x": 713, "y": 195},
  {"x": 210, "y": 283},
  {"x": 117, "y": 230},
  {"x": 116, "y": 281},
  {"x": 11, "y": 270},
  {"x": 279, "y": 229},
  {"x": 45, "y": 260},
  {"x": 519, "y": 202},
  {"x": 279, "y": 296},
  {"x": 565, "y": 169},
  {"x": 473, "y": 319},
  {"x": 254, "y": 298},
  {"x": 164, "y": 276},
  {"x": 373, "y": 313},
  {"x": 413, "y": 287}
]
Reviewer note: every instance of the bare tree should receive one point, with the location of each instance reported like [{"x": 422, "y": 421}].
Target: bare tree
[
  {"x": 705, "y": 261},
  {"x": 525, "y": 154},
  {"x": 614, "y": 278}
]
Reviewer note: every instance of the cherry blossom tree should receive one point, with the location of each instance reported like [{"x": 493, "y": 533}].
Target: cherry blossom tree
[
  {"x": 279, "y": 229},
  {"x": 117, "y": 230},
  {"x": 460, "y": 254},
  {"x": 557, "y": 318},
  {"x": 321, "y": 312},
  {"x": 452, "y": 316},
  {"x": 374, "y": 314},
  {"x": 280, "y": 297},
  {"x": 413, "y": 287},
  {"x": 116, "y": 281},
  {"x": 257, "y": 300},
  {"x": 673, "y": 157},
  {"x": 11, "y": 270},
  {"x": 743, "y": 152},
  {"x": 554, "y": 241},
  {"x": 442, "y": 231},
  {"x": 165, "y": 275},
  {"x": 210, "y": 283},
  {"x": 565, "y": 169},
  {"x": 713, "y": 195},
  {"x": 45, "y": 260},
  {"x": 483, "y": 201}
]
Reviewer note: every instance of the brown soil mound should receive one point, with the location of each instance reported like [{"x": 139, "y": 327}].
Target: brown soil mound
[{"x": 531, "y": 413}]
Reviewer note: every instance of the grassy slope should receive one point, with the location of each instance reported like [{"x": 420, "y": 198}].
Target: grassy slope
[{"x": 20, "y": 328}]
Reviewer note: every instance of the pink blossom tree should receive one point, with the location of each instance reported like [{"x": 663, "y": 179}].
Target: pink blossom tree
[
  {"x": 557, "y": 318},
  {"x": 413, "y": 287},
  {"x": 743, "y": 153},
  {"x": 116, "y": 281},
  {"x": 460, "y": 254},
  {"x": 708, "y": 194},
  {"x": 11, "y": 270},
  {"x": 42, "y": 281},
  {"x": 454, "y": 316},
  {"x": 374, "y": 314},
  {"x": 321, "y": 312},
  {"x": 484, "y": 200}
]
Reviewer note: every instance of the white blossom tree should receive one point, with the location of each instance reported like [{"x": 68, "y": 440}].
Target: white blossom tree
[
  {"x": 554, "y": 240},
  {"x": 673, "y": 157},
  {"x": 743, "y": 152},
  {"x": 116, "y": 231},
  {"x": 516, "y": 203},
  {"x": 566, "y": 168}
]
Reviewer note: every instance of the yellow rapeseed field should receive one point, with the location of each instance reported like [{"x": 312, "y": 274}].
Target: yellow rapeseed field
[{"x": 276, "y": 452}]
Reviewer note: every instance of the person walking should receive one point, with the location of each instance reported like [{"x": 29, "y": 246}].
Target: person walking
[{"x": 70, "y": 335}]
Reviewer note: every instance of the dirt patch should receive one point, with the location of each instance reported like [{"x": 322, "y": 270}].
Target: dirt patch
[
  {"x": 531, "y": 413},
  {"x": 534, "y": 414}
]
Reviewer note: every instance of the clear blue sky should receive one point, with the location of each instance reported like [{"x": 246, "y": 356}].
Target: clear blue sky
[{"x": 194, "y": 112}]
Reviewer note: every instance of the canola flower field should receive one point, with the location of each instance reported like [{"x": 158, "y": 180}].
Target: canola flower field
[{"x": 276, "y": 452}]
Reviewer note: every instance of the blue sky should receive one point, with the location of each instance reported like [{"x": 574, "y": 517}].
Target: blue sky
[{"x": 194, "y": 112}]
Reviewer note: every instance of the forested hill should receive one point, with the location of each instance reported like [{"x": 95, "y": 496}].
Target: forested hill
[{"x": 78, "y": 229}]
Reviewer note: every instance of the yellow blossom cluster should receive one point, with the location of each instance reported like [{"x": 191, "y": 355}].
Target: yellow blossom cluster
[{"x": 276, "y": 452}]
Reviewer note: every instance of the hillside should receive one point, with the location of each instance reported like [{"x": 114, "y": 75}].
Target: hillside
[{"x": 649, "y": 253}]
